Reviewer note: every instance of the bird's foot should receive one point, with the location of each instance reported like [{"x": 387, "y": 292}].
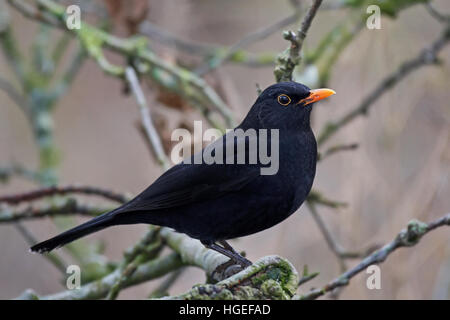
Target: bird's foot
[
  {"x": 226, "y": 270},
  {"x": 240, "y": 260},
  {"x": 228, "y": 251},
  {"x": 237, "y": 257}
]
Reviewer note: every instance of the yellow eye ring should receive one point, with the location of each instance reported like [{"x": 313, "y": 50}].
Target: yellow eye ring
[{"x": 284, "y": 99}]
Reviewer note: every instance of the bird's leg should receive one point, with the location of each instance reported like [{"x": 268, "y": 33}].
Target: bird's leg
[
  {"x": 228, "y": 251},
  {"x": 228, "y": 247}
]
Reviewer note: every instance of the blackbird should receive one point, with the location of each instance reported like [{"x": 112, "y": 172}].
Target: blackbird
[{"x": 214, "y": 202}]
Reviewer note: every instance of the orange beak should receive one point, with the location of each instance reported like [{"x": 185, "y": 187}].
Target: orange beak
[{"x": 316, "y": 95}]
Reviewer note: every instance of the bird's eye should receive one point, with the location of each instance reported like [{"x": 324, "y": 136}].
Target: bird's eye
[{"x": 284, "y": 100}]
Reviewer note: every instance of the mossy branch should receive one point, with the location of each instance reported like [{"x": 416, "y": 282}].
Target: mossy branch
[
  {"x": 271, "y": 277},
  {"x": 290, "y": 58},
  {"x": 100, "y": 288}
]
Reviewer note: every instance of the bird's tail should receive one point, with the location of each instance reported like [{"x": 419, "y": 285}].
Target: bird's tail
[{"x": 103, "y": 221}]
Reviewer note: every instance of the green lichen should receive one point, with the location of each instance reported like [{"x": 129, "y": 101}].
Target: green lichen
[
  {"x": 269, "y": 278},
  {"x": 273, "y": 289},
  {"x": 273, "y": 273},
  {"x": 208, "y": 292},
  {"x": 248, "y": 293},
  {"x": 239, "y": 56},
  {"x": 136, "y": 45},
  {"x": 282, "y": 273},
  {"x": 91, "y": 40},
  {"x": 415, "y": 230}
]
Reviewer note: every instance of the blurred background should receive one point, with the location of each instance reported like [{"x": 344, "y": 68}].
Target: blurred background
[{"x": 398, "y": 172}]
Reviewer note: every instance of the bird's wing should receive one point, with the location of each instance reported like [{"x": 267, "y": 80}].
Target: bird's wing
[
  {"x": 187, "y": 183},
  {"x": 178, "y": 193}
]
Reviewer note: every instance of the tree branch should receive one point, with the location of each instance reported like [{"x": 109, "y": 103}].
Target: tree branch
[
  {"x": 223, "y": 56},
  {"x": 270, "y": 277},
  {"x": 205, "y": 49},
  {"x": 443, "y": 18},
  {"x": 291, "y": 57},
  {"x": 427, "y": 56},
  {"x": 67, "y": 206},
  {"x": 14, "y": 94},
  {"x": 56, "y": 260},
  {"x": 100, "y": 288},
  {"x": 52, "y": 191},
  {"x": 317, "y": 197},
  {"x": 146, "y": 249},
  {"x": 338, "y": 148},
  {"x": 151, "y": 133},
  {"x": 19, "y": 171},
  {"x": 406, "y": 238}
]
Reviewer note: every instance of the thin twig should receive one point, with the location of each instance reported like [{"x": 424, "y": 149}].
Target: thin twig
[
  {"x": 317, "y": 197},
  {"x": 161, "y": 35},
  {"x": 406, "y": 238},
  {"x": 163, "y": 288},
  {"x": 427, "y": 56},
  {"x": 65, "y": 207},
  {"x": 340, "y": 253},
  {"x": 444, "y": 18},
  {"x": 287, "y": 63},
  {"x": 253, "y": 37},
  {"x": 31, "y": 12},
  {"x": 204, "y": 49},
  {"x": 100, "y": 288},
  {"x": 19, "y": 171},
  {"x": 14, "y": 94},
  {"x": 57, "y": 261},
  {"x": 335, "y": 149},
  {"x": 52, "y": 191},
  {"x": 331, "y": 242},
  {"x": 306, "y": 276},
  {"x": 70, "y": 73},
  {"x": 146, "y": 118},
  {"x": 146, "y": 249},
  {"x": 12, "y": 53}
]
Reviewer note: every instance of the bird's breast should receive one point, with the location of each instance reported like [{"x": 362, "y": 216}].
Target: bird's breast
[{"x": 298, "y": 158}]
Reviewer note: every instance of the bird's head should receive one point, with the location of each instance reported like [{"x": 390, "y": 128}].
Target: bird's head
[{"x": 287, "y": 105}]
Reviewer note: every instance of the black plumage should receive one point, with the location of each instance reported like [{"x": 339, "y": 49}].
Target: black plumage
[{"x": 217, "y": 202}]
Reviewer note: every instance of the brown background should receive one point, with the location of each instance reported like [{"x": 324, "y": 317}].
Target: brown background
[{"x": 400, "y": 171}]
